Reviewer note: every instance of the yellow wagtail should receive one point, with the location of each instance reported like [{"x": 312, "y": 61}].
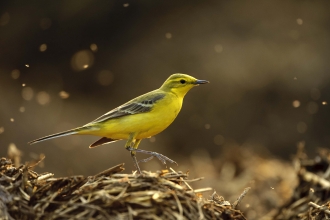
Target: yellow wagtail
[{"x": 140, "y": 118}]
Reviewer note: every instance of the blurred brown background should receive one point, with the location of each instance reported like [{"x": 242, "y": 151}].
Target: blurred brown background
[{"x": 64, "y": 63}]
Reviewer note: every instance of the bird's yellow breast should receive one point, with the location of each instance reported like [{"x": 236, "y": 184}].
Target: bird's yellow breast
[{"x": 143, "y": 125}]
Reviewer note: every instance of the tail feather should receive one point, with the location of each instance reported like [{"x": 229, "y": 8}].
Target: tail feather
[{"x": 61, "y": 134}]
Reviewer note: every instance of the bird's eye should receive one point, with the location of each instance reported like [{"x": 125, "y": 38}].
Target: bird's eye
[{"x": 182, "y": 81}]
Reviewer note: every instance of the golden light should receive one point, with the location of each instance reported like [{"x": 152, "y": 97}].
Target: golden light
[
  {"x": 296, "y": 103},
  {"x": 27, "y": 93},
  {"x": 82, "y": 60},
  {"x": 168, "y": 35},
  {"x": 64, "y": 95},
  {"x": 43, "y": 98},
  {"x": 93, "y": 47},
  {"x": 43, "y": 47},
  {"x": 300, "y": 21}
]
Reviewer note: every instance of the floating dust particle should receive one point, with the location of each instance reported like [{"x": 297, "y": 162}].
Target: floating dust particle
[
  {"x": 295, "y": 78},
  {"x": 43, "y": 98},
  {"x": 93, "y": 47},
  {"x": 27, "y": 93},
  {"x": 43, "y": 47},
  {"x": 168, "y": 35},
  {"x": 22, "y": 109},
  {"x": 152, "y": 139},
  {"x": 15, "y": 74},
  {"x": 12, "y": 120},
  {"x": 126, "y": 5},
  {"x": 296, "y": 103},
  {"x": 82, "y": 60},
  {"x": 207, "y": 126},
  {"x": 64, "y": 94},
  {"x": 299, "y": 21},
  {"x": 27, "y": 65}
]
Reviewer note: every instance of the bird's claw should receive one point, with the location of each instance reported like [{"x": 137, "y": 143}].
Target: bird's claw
[{"x": 160, "y": 157}]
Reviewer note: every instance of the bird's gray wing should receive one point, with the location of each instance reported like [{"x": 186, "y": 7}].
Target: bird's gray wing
[{"x": 138, "y": 105}]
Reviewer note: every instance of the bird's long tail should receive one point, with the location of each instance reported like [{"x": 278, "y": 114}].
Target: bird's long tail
[{"x": 61, "y": 134}]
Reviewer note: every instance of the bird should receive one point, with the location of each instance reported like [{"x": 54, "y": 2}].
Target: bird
[{"x": 139, "y": 118}]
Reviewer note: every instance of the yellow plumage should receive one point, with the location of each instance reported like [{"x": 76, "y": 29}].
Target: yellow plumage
[{"x": 140, "y": 118}]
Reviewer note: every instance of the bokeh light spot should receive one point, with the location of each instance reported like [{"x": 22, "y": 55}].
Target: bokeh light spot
[
  {"x": 296, "y": 103},
  {"x": 301, "y": 127},
  {"x": 12, "y": 120},
  {"x": 219, "y": 140},
  {"x": 43, "y": 98},
  {"x": 126, "y": 5},
  {"x": 22, "y": 109},
  {"x": 43, "y": 47},
  {"x": 299, "y": 21},
  {"x": 64, "y": 95},
  {"x": 27, "y": 93},
  {"x": 2, "y": 129},
  {"x": 27, "y": 65},
  {"x": 324, "y": 103},
  {"x": 168, "y": 35},
  {"x": 15, "y": 74},
  {"x": 312, "y": 107},
  {"x": 82, "y": 60},
  {"x": 105, "y": 77},
  {"x": 152, "y": 139},
  {"x": 23, "y": 84},
  {"x": 207, "y": 126},
  {"x": 93, "y": 47}
]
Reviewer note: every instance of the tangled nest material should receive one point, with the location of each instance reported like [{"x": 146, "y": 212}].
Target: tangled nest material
[{"x": 25, "y": 194}]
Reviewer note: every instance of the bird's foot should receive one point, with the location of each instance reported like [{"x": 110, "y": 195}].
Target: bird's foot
[{"x": 160, "y": 157}]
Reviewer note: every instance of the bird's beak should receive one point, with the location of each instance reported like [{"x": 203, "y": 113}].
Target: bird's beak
[{"x": 201, "y": 81}]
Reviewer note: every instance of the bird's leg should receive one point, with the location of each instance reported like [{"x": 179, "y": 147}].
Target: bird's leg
[{"x": 132, "y": 150}]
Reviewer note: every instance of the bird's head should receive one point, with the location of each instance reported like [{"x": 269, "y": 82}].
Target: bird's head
[{"x": 180, "y": 84}]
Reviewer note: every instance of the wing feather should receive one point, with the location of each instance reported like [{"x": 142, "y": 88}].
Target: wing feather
[{"x": 138, "y": 105}]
